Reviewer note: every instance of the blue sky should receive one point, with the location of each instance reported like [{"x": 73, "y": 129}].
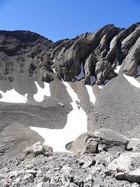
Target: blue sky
[{"x": 58, "y": 19}]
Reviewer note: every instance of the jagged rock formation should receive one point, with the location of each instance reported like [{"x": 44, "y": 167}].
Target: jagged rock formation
[
  {"x": 99, "y": 53},
  {"x": 44, "y": 83}
]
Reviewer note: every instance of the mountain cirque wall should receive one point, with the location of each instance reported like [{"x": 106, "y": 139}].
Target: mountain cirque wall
[
  {"x": 93, "y": 58},
  {"x": 99, "y": 53},
  {"x": 108, "y": 58},
  {"x": 28, "y": 59}
]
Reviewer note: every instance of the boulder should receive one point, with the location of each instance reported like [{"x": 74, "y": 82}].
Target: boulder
[
  {"x": 91, "y": 145},
  {"x": 132, "y": 176},
  {"x": 28, "y": 150},
  {"x": 28, "y": 177},
  {"x": 67, "y": 174},
  {"x": 46, "y": 178},
  {"x": 134, "y": 144},
  {"x": 33, "y": 172},
  {"x": 99, "y": 140},
  {"x": 104, "y": 158},
  {"x": 125, "y": 162},
  {"x": 38, "y": 148},
  {"x": 84, "y": 144},
  {"x": 47, "y": 150},
  {"x": 109, "y": 138},
  {"x": 126, "y": 167},
  {"x": 86, "y": 161},
  {"x": 79, "y": 145}
]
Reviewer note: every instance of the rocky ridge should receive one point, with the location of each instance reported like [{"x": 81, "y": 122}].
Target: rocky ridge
[{"x": 99, "y": 53}]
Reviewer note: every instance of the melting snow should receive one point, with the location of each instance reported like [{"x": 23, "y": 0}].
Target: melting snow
[
  {"x": 12, "y": 96},
  {"x": 132, "y": 81},
  {"x": 76, "y": 125},
  {"x": 41, "y": 92},
  {"x": 91, "y": 94},
  {"x": 81, "y": 75}
]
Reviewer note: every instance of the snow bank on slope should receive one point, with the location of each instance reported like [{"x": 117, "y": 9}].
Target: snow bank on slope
[
  {"x": 41, "y": 92},
  {"x": 12, "y": 96},
  {"x": 76, "y": 125},
  {"x": 132, "y": 81},
  {"x": 91, "y": 94}
]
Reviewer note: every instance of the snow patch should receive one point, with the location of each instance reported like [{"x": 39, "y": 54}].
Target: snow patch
[
  {"x": 101, "y": 86},
  {"x": 76, "y": 125},
  {"x": 41, "y": 92},
  {"x": 81, "y": 75},
  {"x": 91, "y": 94},
  {"x": 54, "y": 70},
  {"x": 117, "y": 69},
  {"x": 54, "y": 60},
  {"x": 132, "y": 81},
  {"x": 12, "y": 96}
]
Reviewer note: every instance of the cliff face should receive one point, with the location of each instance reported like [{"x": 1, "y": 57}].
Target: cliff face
[{"x": 97, "y": 53}]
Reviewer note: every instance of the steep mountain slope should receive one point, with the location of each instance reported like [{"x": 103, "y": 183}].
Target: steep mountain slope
[
  {"x": 27, "y": 59},
  {"x": 54, "y": 92}
]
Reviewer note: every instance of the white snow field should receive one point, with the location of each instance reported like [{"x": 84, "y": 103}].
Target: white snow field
[
  {"x": 91, "y": 94},
  {"x": 76, "y": 125},
  {"x": 132, "y": 81},
  {"x": 41, "y": 92},
  {"x": 12, "y": 96}
]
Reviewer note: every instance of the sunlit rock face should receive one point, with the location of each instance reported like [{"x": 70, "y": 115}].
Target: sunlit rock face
[
  {"x": 69, "y": 110},
  {"x": 26, "y": 54}
]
